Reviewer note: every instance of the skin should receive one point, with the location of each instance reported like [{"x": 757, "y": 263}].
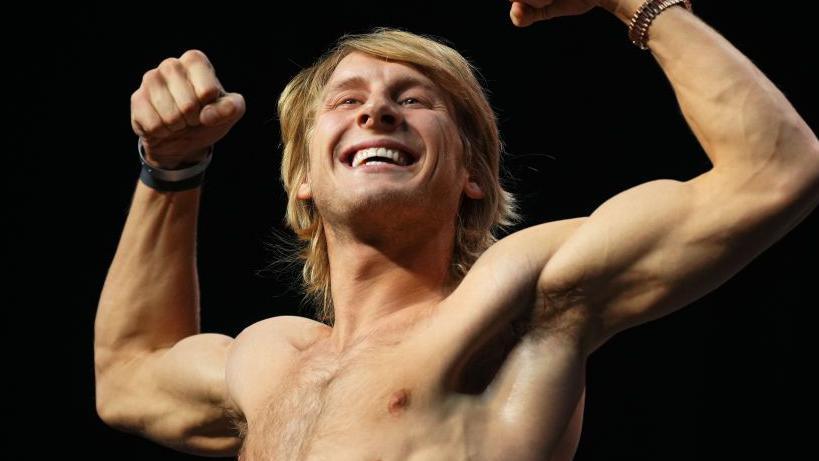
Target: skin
[
  {"x": 490, "y": 369},
  {"x": 387, "y": 269}
]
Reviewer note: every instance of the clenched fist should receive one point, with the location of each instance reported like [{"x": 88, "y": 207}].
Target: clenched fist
[
  {"x": 526, "y": 12},
  {"x": 181, "y": 108}
]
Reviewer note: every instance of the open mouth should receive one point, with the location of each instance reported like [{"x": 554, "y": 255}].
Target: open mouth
[{"x": 379, "y": 156}]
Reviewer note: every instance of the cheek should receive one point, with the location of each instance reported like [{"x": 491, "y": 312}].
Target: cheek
[
  {"x": 325, "y": 134},
  {"x": 449, "y": 144},
  {"x": 331, "y": 122}
]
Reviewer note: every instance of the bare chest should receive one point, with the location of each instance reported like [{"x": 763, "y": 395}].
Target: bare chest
[
  {"x": 377, "y": 403},
  {"x": 397, "y": 399}
]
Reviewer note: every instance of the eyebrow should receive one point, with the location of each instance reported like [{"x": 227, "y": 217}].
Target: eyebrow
[{"x": 401, "y": 83}]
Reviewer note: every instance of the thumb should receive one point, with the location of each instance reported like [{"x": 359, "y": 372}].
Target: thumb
[
  {"x": 227, "y": 109},
  {"x": 523, "y": 15}
]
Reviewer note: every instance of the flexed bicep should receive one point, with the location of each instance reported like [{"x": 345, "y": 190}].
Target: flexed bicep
[
  {"x": 659, "y": 246},
  {"x": 175, "y": 396}
]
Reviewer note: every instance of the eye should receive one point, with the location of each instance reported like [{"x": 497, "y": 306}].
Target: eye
[
  {"x": 411, "y": 100},
  {"x": 345, "y": 100}
]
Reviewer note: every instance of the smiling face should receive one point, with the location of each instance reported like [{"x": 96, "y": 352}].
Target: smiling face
[{"x": 369, "y": 101}]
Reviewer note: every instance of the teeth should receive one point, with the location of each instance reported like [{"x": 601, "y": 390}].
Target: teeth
[{"x": 396, "y": 155}]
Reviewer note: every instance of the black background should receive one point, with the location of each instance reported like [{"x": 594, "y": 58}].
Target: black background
[{"x": 584, "y": 114}]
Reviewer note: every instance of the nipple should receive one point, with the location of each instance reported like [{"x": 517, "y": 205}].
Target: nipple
[{"x": 399, "y": 401}]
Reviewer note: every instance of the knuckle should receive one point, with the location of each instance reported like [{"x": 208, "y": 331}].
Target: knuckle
[
  {"x": 177, "y": 122},
  {"x": 136, "y": 125},
  {"x": 152, "y": 76},
  {"x": 189, "y": 108},
  {"x": 169, "y": 65},
  {"x": 195, "y": 55},
  {"x": 139, "y": 106},
  {"x": 174, "y": 120},
  {"x": 210, "y": 92},
  {"x": 152, "y": 128}
]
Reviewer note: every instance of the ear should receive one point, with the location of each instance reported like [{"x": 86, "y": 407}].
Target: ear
[
  {"x": 304, "y": 192},
  {"x": 472, "y": 189}
]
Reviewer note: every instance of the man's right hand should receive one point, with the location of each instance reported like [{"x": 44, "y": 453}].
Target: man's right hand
[{"x": 181, "y": 108}]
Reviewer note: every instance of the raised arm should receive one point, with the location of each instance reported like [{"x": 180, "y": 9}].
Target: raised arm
[
  {"x": 653, "y": 248},
  {"x": 659, "y": 246},
  {"x": 155, "y": 374}
]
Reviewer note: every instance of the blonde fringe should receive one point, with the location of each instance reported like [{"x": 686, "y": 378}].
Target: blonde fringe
[{"x": 479, "y": 221}]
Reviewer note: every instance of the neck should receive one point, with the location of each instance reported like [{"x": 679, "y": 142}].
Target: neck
[{"x": 379, "y": 280}]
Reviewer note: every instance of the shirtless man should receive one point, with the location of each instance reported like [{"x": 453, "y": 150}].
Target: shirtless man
[{"x": 412, "y": 360}]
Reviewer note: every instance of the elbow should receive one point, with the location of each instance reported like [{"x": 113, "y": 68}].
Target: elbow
[
  {"x": 795, "y": 177},
  {"x": 804, "y": 179},
  {"x": 103, "y": 391},
  {"x": 107, "y": 414},
  {"x": 102, "y": 395},
  {"x": 813, "y": 159},
  {"x": 114, "y": 415},
  {"x": 800, "y": 187},
  {"x": 804, "y": 176},
  {"x": 110, "y": 405},
  {"x": 107, "y": 409},
  {"x": 104, "y": 413}
]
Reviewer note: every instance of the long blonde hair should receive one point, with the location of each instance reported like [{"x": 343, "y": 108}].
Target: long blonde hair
[{"x": 478, "y": 220}]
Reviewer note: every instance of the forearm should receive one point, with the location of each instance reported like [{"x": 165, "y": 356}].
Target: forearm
[
  {"x": 150, "y": 298},
  {"x": 742, "y": 120}
]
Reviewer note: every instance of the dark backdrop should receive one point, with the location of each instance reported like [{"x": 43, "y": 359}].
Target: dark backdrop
[{"x": 584, "y": 114}]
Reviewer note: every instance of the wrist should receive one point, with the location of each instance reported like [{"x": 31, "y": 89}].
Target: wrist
[
  {"x": 623, "y": 9},
  {"x": 182, "y": 162},
  {"x": 167, "y": 178},
  {"x": 638, "y": 29}
]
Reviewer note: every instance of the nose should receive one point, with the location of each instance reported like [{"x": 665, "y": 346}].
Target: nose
[{"x": 379, "y": 114}]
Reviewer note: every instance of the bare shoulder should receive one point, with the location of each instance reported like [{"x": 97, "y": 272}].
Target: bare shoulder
[
  {"x": 261, "y": 357},
  {"x": 298, "y": 332}
]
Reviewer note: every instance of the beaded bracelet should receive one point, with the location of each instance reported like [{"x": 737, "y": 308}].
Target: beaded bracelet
[{"x": 638, "y": 27}]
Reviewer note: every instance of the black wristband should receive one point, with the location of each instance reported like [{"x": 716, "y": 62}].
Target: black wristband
[
  {"x": 169, "y": 186},
  {"x": 162, "y": 180}
]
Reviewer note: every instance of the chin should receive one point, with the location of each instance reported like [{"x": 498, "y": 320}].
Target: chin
[
  {"x": 385, "y": 207},
  {"x": 389, "y": 201}
]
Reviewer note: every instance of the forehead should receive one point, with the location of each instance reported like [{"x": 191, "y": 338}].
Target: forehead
[{"x": 361, "y": 69}]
